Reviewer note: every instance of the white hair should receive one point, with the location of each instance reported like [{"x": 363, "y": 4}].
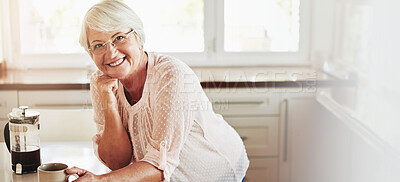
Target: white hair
[{"x": 110, "y": 16}]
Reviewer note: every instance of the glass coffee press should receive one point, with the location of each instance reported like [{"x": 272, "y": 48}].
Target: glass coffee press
[{"x": 21, "y": 135}]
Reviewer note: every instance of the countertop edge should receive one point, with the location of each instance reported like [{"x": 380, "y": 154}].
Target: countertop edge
[
  {"x": 207, "y": 84},
  {"x": 56, "y": 86}
]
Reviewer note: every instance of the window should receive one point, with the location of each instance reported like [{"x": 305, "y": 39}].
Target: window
[
  {"x": 200, "y": 32},
  {"x": 44, "y": 33},
  {"x": 267, "y": 26},
  {"x": 172, "y": 26},
  {"x": 53, "y": 28}
]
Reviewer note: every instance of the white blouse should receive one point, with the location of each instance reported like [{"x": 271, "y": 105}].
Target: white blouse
[{"x": 174, "y": 128}]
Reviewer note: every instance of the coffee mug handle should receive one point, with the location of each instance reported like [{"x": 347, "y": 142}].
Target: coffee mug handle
[{"x": 69, "y": 175}]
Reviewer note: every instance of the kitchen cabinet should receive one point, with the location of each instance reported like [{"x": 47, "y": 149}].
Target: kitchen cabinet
[
  {"x": 261, "y": 118},
  {"x": 65, "y": 115},
  {"x": 296, "y": 111},
  {"x": 262, "y": 169},
  {"x": 254, "y": 114},
  {"x": 8, "y": 100},
  {"x": 244, "y": 102},
  {"x": 259, "y": 134},
  {"x": 55, "y": 99}
]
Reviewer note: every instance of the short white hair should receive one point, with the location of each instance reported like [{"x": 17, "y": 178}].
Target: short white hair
[{"x": 110, "y": 16}]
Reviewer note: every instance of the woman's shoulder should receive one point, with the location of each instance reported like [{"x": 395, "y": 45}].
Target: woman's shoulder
[{"x": 166, "y": 63}]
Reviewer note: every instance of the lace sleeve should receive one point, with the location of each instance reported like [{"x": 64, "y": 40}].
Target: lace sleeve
[
  {"x": 98, "y": 114},
  {"x": 171, "y": 118}
]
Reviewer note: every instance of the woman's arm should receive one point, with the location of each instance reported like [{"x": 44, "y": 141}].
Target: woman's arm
[
  {"x": 114, "y": 146},
  {"x": 139, "y": 171}
]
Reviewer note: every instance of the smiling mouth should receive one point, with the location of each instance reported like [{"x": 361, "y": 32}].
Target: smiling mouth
[{"x": 117, "y": 63}]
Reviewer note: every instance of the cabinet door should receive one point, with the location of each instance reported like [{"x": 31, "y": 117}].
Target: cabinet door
[
  {"x": 262, "y": 169},
  {"x": 259, "y": 134},
  {"x": 246, "y": 102},
  {"x": 65, "y": 115},
  {"x": 299, "y": 148},
  {"x": 66, "y": 125},
  {"x": 55, "y": 99}
]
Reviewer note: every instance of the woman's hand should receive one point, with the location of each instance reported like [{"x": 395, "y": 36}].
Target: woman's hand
[
  {"x": 107, "y": 88},
  {"x": 106, "y": 84},
  {"x": 83, "y": 175}
]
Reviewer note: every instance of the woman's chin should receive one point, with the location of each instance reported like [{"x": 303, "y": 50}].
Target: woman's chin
[
  {"x": 118, "y": 72},
  {"x": 119, "y": 75}
]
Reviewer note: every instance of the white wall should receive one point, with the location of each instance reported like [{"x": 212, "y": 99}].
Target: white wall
[
  {"x": 362, "y": 41},
  {"x": 323, "y": 148},
  {"x": 359, "y": 36}
]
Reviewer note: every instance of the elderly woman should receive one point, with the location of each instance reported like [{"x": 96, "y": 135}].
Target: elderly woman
[{"x": 153, "y": 119}]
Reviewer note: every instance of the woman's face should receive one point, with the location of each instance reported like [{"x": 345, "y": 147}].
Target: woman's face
[{"x": 117, "y": 61}]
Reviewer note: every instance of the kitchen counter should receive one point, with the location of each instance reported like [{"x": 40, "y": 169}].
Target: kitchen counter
[{"x": 210, "y": 77}]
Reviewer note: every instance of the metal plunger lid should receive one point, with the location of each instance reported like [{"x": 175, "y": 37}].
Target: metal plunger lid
[{"x": 22, "y": 115}]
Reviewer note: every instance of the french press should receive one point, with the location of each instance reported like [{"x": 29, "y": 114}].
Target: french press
[{"x": 21, "y": 135}]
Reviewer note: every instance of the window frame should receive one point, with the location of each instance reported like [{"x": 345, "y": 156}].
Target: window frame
[
  {"x": 213, "y": 55},
  {"x": 266, "y": 58}
]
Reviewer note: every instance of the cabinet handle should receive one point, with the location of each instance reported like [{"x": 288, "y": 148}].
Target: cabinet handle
[
  {"x": 285, "y": 139},
  {"x": 62, "y": 105},
  {"x": 240, "y": 102}
]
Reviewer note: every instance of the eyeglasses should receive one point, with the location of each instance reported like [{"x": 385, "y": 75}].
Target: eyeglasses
[{"x": 118, "y": 41}]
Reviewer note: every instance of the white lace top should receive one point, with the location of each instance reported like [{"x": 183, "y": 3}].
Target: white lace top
[{"x": 174, "y": 128}]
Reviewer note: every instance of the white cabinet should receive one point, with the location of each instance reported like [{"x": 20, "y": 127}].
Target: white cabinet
[
  {"x": 8, "y": 100},
  {"x": 65, "y": 115},
  {"x": 262, "y": 169},
  {"x": 242, "y": 101},
  {"x": 259, "y": 134},
  {"x": 55, "y": 99},
  {"x": 254, "y": 113},
  {"x": 296, "y": 111},
  {"x": 260, "y": 116}
]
